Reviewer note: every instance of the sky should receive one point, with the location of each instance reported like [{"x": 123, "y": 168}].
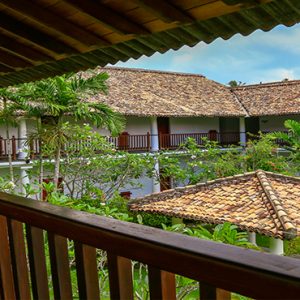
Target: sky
[{"x": 259, "y": 57}]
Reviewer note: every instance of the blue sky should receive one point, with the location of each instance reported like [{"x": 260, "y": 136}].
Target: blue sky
[{"x": 259, "y": 57}]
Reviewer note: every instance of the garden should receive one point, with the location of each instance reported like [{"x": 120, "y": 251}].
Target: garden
[{"x": 93, "y": 172}]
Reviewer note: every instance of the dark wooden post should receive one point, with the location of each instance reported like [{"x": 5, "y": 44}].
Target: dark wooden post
[
  {"x": 7, "y": 278},
  {"x": 209, "y": 292},
  {"x": 120, "y": 277},
  {"x": 162, "y": 284}
]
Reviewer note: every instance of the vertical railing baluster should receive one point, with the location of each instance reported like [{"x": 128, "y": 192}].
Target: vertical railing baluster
[
  {"x": 61, "y": 278},
  {"x": 87, "y": 273},
  {"x": 37, "y": 262},
  {"x": 120, "y": 277},
  {"x": 19, "y": 259},
  {"x": 210, "y": 292},
  {"x": 162, "y": 284},
  {"x": 7, "y": 278}
]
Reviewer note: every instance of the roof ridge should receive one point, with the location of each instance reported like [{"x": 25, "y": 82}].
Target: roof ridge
[
  {"x": 267, "y": 84},
  {"x": 154, "y": 71},
  {"x": 278, "y": 175},
  {"x": 289, "y": 229},
  {"x": 236, "y": 97}
]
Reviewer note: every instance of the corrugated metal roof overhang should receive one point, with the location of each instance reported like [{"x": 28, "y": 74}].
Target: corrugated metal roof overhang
[{"x": 35, "y": 44}]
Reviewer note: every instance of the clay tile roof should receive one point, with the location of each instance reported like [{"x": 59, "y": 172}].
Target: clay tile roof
[
  {"x": 277, "y": 98},
  {"x": 261, "y": 202},
  {"x": 156, "y": 93}
]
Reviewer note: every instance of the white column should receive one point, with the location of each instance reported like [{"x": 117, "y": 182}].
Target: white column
[
  {"x": 24, "y": 178},
  {"x": 154, "y": 134},
  {"x": 155, "y": 179},
  {"x": 252, "y": 238},
  {"x": 276, "y": 246},
  {"x": 22, "y": 147},
  {"x": 154, "y": 148},
  {"x": 242, "y": 131}
]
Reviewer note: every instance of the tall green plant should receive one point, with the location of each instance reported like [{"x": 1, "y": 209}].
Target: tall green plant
[
  {"x": 64, "y": 96},
  {"x": 292, "y": 140}
]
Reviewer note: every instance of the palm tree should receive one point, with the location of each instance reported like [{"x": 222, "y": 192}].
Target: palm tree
[{"x": 64, "y": 96}]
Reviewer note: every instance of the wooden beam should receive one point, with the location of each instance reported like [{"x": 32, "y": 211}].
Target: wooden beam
[
  {"x": 164, "y": 11},
  {"x": 49, "y": 19},
  {"x": 108, "y": 17},
  {"x": 12, "y": 60},
  {"x": 22, "y": 50},
  {"x": 5, "y": 69},
  {"x": 236, "y": 2},
  {"x": 35, "y": 36}
]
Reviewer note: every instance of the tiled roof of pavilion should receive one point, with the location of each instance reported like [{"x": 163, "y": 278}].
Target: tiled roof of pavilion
[
  {"x": 261, "y": 202},
  {"x": 156, "y": 93},
  {"x": 277, "y": 98}
]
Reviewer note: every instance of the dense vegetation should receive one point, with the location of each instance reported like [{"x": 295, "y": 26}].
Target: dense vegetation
[{"x": 94, "y": 172}]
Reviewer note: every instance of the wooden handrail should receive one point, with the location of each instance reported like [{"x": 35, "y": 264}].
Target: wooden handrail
[
  {"x": 137, "y": 142},
  {"x": 248, "y": 272}
]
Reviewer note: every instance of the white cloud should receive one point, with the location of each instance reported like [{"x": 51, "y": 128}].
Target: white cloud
[
  {"x": 261, "y": 56},
  {"x": 279, "y": 74}
]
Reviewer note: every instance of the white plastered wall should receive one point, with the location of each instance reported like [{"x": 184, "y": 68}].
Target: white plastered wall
[
  {"x": 137, "y": 125},
  {"x": 275, "y": 123},
  {"x": 133, "y": 125},
  {"x": 13, "y": 131},
  {"x": 140, "y": 191},
  {"x": 193, "y": 124}
]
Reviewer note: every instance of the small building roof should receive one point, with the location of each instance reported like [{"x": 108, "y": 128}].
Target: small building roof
[
  {"x": 141, "y": 92},
  {"x": 276, "y": 98},
  {"x": 261, "y": 202}
]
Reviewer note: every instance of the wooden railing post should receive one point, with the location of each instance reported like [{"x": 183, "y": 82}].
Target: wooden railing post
[
  {"x": 87, "y": 274},
  {"x": 19, "y": 259},
  {"x": 37, "y": 262},
  {"x": 162, "y": 284},
  {"x": 120, "y": 277},
  {"x": 61, "y": 278},
  {"x": 7, "y": 278},
  {"x": 209, "y": 292}
]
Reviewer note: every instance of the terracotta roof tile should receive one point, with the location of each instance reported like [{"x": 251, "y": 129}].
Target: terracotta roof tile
[
  {"x": 262, "y": 202},
  {"x": 277, "y": 98},
  {"x": 157, "y": 93}
]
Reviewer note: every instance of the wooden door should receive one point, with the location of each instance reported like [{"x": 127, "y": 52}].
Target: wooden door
[
  {"x": 163, "y": 126},
  {"x": 252, "y": 128}
]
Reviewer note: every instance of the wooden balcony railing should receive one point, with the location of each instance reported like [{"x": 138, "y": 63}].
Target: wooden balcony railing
[
  {"x": 12, "y": 145},
  {"x": 142, "y": 142},
  {"x": 135, "y": 142},
  {"x": 26, "y": 226}
]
